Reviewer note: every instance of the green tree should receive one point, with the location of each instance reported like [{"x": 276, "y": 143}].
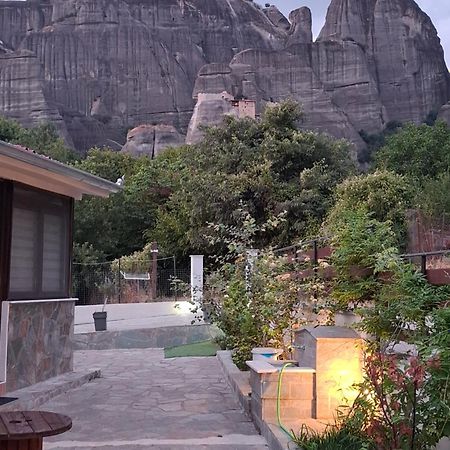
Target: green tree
[
  {"x": 385, "y": 195},
  {"x": 433, "y": 198},
  {"x": 117, "y": 226},
  {"x": 42, "y": 139},
  {"x": 265, "y": 166},
  {"x": 114, "y": 226},
  {"x": 9, "y": 130},
  {"x": 417, "y": 151}
]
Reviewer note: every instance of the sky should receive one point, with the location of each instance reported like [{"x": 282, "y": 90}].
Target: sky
[{"x": 438, "y": 10}]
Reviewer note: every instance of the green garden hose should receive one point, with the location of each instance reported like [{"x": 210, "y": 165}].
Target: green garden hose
[{"x": 280, "y": 378}]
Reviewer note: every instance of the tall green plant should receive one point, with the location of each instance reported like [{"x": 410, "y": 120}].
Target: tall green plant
[
  {"x": 357, "y": 239},
  {"x": 254, "y": 309},
  {"x": 252, "y": 299}
]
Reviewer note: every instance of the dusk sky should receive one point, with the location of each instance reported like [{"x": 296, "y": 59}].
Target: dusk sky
[{"x": 438, "y": 10}]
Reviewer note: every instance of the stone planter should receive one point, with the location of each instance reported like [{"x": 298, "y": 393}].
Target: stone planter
[{"x": 266, "y": 353}]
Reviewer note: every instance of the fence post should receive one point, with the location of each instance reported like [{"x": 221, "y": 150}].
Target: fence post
[
  {"x": 252, "y": 256},
  {"x": 154, "y": 276},
  {"x": 423, "y": 264},
  {"x": 175, "y": 277},
  {"x": 315, "y": 253},
  {"x": 196, "y": 278},
  {"x": 120, "y": 281}
]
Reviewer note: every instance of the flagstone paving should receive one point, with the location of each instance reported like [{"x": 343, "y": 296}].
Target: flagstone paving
[{"x": 145, "y": 401}]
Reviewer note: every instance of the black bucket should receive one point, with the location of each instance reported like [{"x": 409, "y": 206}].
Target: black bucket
[{"x": 100, "y": 320}]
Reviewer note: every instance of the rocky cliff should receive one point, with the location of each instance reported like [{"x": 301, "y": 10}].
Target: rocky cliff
[
  {"x": 97, "y": 68},
  {"x": 375, "y": 61}
]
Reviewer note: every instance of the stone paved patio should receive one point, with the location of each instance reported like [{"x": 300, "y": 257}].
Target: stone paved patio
[{"x": 145, "y": 401}]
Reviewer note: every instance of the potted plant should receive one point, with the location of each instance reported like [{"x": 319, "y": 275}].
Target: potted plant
[{"x": 100, "y": 318}]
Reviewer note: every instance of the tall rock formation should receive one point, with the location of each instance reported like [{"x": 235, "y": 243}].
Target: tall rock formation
[
  {"x": 134, "y": 60},
  {"x": 402, "y": 44},
  {"x": 375, "y": 61},
  {"x": 151, "y": 140},
  {"x": 97, "y": 68}
]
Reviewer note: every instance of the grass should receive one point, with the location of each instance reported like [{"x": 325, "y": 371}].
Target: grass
[{"x": 206, "y": 348}]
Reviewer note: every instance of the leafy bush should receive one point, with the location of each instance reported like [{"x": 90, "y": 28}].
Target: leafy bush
[
  {"x": 254, "y": 307},
  {"x": 402, "y": 407},
  {"x": 417, "y": 151},
  {"x": 251, "y": 297},
  {"x": 357, "y": 239},
  {"x": 404, "y": 397},
  {"x": 407, "y": 394},
  {"x": 339, "y": 437},
  {"x": 386, "y": 195},
  {"x": 433, "y": 198}
]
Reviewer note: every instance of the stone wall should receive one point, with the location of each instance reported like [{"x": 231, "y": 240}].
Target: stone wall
[
  {"x": 40, "y": 336},
  {"x": 297, "y": 395}
]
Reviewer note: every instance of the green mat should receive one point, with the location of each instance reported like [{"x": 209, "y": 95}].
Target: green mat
[{"x": 206, "y": 348}]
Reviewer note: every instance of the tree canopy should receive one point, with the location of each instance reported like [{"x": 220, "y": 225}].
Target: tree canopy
[
  {"x": 417, "y": 151},
  {"x": 385, "y": 195},
  {"x": 266, "y": 167},
  {"x": 421, "y": 153},
  {"x": 115, "y": 226},
  {"x": 43, "y": 139}
]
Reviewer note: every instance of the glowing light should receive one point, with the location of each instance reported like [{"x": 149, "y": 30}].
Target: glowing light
[
  {"x": 341, "y": 376},
  {"x": 183, "y": 309}
]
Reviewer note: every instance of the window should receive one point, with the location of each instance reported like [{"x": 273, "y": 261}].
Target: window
[
  {"x": 40, "y": 245},
  {"x": 5, "y": 236}
]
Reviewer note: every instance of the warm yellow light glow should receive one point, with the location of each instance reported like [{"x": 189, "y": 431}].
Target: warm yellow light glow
[
  {"x": 183, "y": 308},
  {"x": 341, "y": 376}
]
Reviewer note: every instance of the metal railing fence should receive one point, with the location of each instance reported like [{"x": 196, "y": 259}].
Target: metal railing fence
[{"x": 92, "y": 283}]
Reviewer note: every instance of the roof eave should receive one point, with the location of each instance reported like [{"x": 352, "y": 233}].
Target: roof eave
[{"x": 86, "y": 183}]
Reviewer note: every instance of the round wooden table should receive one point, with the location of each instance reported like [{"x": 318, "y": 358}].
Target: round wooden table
[{"x": 25, "y": 430}]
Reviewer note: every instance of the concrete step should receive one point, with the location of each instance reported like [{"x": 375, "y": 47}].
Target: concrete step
[
  {"x": 227, "y": 442},
  {"x": 32, "y": 397}
]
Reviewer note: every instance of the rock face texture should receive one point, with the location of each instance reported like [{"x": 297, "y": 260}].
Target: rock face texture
[
  {"x": 375, "y": 61},
  {"x": 152, "y": 140},
  {"x": 210, "y": 109},
  {"x": 444, "y": 113},
  {"x": 402, "y": 45},
  {"x": 95, "y": 68},
  {"x": 106, "y": 65}
]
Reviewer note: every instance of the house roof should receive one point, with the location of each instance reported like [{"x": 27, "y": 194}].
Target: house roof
[{"x": 26, "y": 166}]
